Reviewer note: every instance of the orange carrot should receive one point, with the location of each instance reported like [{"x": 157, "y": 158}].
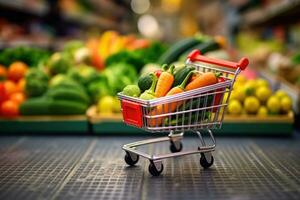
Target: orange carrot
[
  {"x": 208, "y": 78},
  {"x": 195, "y": 75},
  {"x": 164, "y": 82},
  {"x": 167, "y": 108}
]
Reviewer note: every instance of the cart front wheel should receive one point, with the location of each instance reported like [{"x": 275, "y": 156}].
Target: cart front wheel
[
  {"x": 204, "y": 163},
  {"x": 154, "y": 171},
  {"x": 131, "y": 160},
  {"x": 175, "y": 147}
]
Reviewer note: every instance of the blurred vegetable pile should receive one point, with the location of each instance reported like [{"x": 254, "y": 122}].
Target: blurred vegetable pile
[
  {"x": 255, "y": 97},
  {"x": 70, "y": 80}
]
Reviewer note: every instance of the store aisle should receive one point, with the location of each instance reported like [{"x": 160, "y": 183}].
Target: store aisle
[{"x": 53, "y": 167}]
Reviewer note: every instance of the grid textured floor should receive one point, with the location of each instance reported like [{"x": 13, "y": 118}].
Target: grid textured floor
[{"x": 93, "y": 168}]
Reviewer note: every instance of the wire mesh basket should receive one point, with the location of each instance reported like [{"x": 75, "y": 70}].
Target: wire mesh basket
[{"x": 201, "y": 108}]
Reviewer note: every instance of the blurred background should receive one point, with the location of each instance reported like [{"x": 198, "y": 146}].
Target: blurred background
[
  {"x": 97, "y": 47},
  {"x": 63, "y": 62}
]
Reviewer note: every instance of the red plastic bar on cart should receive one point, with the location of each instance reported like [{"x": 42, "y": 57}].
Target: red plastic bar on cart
[
  {"x": 132, "y": 113},
  {"x": 195, "y": 55}
]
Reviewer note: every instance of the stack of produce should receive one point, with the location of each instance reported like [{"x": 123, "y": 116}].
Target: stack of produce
[
  {"x": 255, "y": 97},
  {"x": 110, "y": 43},
  {"x": 170, "y": 81},
  {"x": 12, "y": 88},
  {"x": 119, "y": 59}
]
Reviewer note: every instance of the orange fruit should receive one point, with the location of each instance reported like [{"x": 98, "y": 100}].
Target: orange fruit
[
  {"x": 3, "y": 72},
  {"x": 10, "y": 87},
  {"x": 17, "y": 97},
  {"x": 10, "y": 109},
  {"x": 17, "y": 70},
  {"x": 21, "y": 85}
]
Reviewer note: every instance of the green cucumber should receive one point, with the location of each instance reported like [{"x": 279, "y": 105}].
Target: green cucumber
[
  {"x": 68, "y": 94},
  {"x": 173, "y": 53},
  {"x": 180, "y": 74},
  {"x": 36, "y": 106},
  {"x": 63, "y": 107},
  {"x": 202, "y": 47},
  {"x": 145, "y": 82},
  {"x": 186, "y": 120}
]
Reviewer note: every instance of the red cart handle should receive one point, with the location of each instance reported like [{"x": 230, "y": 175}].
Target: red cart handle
[{"x": 195, "y": 55}]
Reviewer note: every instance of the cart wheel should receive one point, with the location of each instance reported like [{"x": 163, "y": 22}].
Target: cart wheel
[
  {"x": 204, "y": 163},
  {"x": 131, "y": 161},
  {"x": 154, "y": 171},
  {"x": 175, "y": 148}
]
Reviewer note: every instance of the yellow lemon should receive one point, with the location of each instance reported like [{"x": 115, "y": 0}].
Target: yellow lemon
[
  {"x": 249, "y": 87},
  {"x": 263, "y": 93},
  {"x": 234, "y": 107},
  {"x": 280, "y": 94},
  {"x": 233, "y": 95},
  {"x": 251, "y": 104},
  {"x": 286, "y": 104},
  {"x": 240, "y": 94},
  {"x": 262, "y": 111},
  {"x": 241, "y": 79},
  {"x": 262, "y": 82},
  {"x": 273, "y": 105}
]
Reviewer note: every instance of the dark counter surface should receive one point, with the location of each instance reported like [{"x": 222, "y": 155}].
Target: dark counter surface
[{"x": 69, "y": 167}]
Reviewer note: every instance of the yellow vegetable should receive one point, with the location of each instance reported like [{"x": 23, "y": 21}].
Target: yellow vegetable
[
  {"x": 234, "y": 107},
  {"x": 273, "y": 105},
  {"x": 286, "y": 104},
  {"x": 251, "y": 104},
  {"x": 263, "y": 93}
]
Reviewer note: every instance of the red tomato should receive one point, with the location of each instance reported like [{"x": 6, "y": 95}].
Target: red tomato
[
  {"x": 3, "y": 72},
  {"x": 3, "y": 95},
  {"x": 9, "y": 109},
  {"x": 17, "y": 70},
  {"x": 17, "y": 97}
]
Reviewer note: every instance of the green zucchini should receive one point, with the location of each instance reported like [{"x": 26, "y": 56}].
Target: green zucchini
[
  {"x": 68, "y": 94},
  {"x": 173, "y": 53},
  {"x": 205, "y": 47},
  {"x": 48, "y": 106},
  {"x": 64, "y": 107},
  {"x": 181, "y": 73},
  {"x": 186, "y": 120},
  {"x": 145, "y": 82},
  {"x": 36, "y": 106}
]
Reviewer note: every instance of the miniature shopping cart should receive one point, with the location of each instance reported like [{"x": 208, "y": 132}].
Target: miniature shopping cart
[{"x": 197, "y": 110}]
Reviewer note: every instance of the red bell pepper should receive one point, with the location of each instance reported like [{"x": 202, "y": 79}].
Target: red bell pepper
[
  {"x": 158, "y": 73},
  {"x": 218, "y": 96}
]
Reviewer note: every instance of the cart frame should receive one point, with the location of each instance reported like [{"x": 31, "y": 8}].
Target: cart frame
[{"x": 209, "y": 99}]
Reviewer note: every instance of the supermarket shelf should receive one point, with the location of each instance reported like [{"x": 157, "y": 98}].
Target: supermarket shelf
[
  {"x": 45, "y": 124},
  {"x": 233, "y": 125},
  {"x": 22, "y": 7},
  {"x": 286, "y": 13},
  {"x": 90, "y": 20}
]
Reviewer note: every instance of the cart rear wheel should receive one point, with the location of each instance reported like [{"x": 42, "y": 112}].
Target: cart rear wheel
[
  {"x": 175, "y": 147},
  {"x": 154, "y": 171},
  {"x": 131, "y": 160},
  {"x": 204, "y": 163}
]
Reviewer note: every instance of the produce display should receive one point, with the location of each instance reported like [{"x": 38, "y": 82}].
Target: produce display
[
  {"x": 67, "y": 82},
  {"x": 255, "y": 97}
]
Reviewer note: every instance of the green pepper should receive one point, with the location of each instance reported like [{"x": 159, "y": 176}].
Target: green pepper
[{"x": 180, "y": 74}]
